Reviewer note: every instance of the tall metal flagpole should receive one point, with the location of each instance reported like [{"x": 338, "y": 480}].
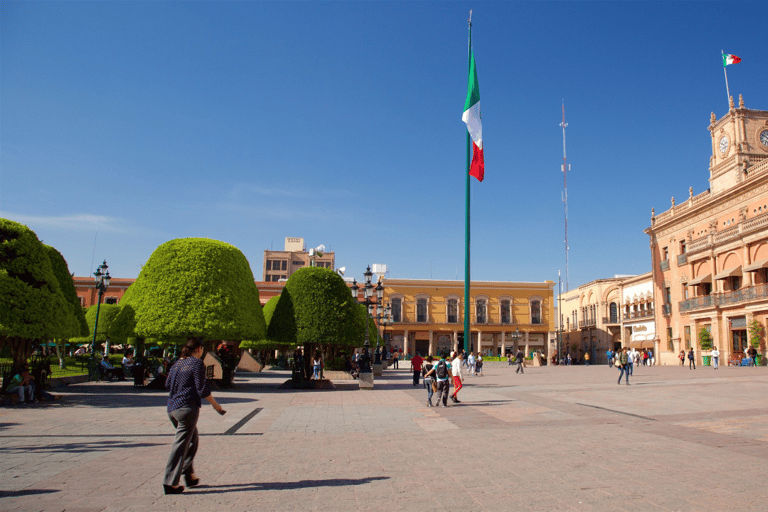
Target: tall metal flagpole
[
  {"x": 727, "y": 90},
  {"x": 467, "y": 333}
]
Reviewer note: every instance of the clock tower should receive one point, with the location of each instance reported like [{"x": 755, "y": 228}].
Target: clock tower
[{"x": 739, "y": 141}]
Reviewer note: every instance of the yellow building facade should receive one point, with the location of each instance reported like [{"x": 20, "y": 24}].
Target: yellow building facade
[{"x": 428, "y": 316}]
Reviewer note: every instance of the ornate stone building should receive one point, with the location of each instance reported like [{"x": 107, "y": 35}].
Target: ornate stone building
[
  {"x": 608, "y": 314},
  {"x": 710, "y": 252}
]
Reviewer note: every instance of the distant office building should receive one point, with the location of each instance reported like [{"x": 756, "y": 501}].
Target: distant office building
[
  {"x": 279, "y": 265},
  {"x": 710, "y": 252}
]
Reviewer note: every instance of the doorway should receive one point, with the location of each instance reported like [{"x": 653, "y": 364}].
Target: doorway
[{"x": 739, "y": 338}]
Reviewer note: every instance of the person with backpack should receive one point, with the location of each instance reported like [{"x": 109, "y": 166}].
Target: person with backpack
[
  {"x": 457, "y": 377},
  {"x": 441, "y": 374},
  {"x": 691, "y": 360}
]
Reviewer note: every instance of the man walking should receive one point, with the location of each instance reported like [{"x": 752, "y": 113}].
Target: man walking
[
  {"x": 623, "y": 365},
  {"x": 416, "y": 363},
  {"x": 609, "y": 356},
  {"x": 457, "y": 377},
  {"x": 691, "y": 360},
  {"x": 519, "y": 358}
]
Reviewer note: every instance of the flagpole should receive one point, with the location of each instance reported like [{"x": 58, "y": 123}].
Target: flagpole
[
  {"x": 727, "y": 90},
  {"x": 467, "y": 332}
]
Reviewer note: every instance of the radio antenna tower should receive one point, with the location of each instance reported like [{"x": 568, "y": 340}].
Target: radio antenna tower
[{"x": 565, "y": 169}]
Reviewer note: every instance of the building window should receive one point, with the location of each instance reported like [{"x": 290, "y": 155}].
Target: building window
[
  {"x": 269, "y": 265},
  {"x": 421, "y": 310},
  {"x": 687, "y": 332},
  {"x": 110, "y": 300},
  {"x": 82, "y": 301},
  {"x": 682, "y": 247},
  {"x": 480, "y": 310},
  {"x": 397, "y": 308},
  {"x": 614, "y": 313},
  {"x": 284, "y": 265},
  {"x": 298, "y": 263},
  {"x": 506, "y": 317},
  {"x": 667, "y": 295},
  {"x": 453, "y": 311},
  {"x": 535, "y": 312},
  {"x": 665, "y": 253},
  {"x": 670, "y": 347}
]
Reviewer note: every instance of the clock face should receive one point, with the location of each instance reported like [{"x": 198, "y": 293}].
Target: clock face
[
  {"x": 764, "y": 138},
  {"x": 724, "y": 144}
]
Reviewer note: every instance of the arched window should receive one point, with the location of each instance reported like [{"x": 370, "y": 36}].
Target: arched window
[
  {"x": 453, "y": 311},
  {"x": 397, "y": 309},
  {"x": 614, "y": 312},
  {"x": 535, "y": 312},
  {"x": 480, "y": 309},
  {"x": 421, "y": 310}
]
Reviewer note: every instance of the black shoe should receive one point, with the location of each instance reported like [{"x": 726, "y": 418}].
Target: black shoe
[
  {"x": 173, "y": 490},
  {"x": 191, "y": 480},
  {"x": 454, "y": 399}
]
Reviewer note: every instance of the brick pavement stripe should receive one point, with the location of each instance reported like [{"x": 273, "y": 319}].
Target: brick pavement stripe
[{"x": 563, "y": 438}]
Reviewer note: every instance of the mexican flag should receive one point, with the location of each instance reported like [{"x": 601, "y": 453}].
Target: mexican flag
[
  {"x": 730, "y": 59},
  {"x": 472, "y": 118}
]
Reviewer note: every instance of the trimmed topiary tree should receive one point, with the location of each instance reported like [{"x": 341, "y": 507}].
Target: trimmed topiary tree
[
  {"x": 323, "y": 311},
  {"x": 75, "y": 324},
  {"x": 196, "y": 287},
  {"x": 32, "y": 305}
]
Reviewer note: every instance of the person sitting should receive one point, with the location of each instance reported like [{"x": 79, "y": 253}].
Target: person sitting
[
  {"x": 110, "y": 371},
  {"x": 160, "y": 375},
  {"x": 128, "y": 362},
  {"x": 24, "y": 384},
  {"x": 80, "y": 351}
]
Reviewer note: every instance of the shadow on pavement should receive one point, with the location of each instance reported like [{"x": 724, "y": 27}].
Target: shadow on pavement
[
  {"x": 26, "y": 492},
  {"x": 86, "y": 447},
  {"x": 276, "y": 486}
]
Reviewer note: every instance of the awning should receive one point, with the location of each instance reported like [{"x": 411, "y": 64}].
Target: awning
[
  {"x": 725, "y": 274},
  {"x": 706, "y": 278},
  {"x": 754, "y": 267},
  {"x": 641, "y": 344}
]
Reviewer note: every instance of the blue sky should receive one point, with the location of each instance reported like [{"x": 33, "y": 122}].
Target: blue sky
[{"x": 129, "y": 124}]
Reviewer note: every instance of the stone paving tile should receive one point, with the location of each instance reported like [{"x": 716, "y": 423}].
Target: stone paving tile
[{"x": 558, "y": 439}]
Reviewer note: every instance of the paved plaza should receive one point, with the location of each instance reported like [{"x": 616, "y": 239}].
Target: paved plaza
[{"x": 555, "y": 438}]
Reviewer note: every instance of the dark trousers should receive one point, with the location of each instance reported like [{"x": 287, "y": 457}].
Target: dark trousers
[
  {"x": 691, "y": 363},
  {"x": 520, "y": 367},
  {"x": 443, "y": 388},
  {"x": 184, "y": 445},
  {"x": 416, "y": 374}
]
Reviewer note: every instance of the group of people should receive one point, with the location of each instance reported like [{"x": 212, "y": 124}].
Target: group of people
[
  {"x": 438, "y": 376},
  {"x": 636, "y": 358}
]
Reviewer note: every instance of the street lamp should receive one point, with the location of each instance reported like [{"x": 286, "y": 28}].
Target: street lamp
[
  {"x": 369, "y": 301},
  {"x": 102, "y": 278},
  {"x": 516, "y": 337}
]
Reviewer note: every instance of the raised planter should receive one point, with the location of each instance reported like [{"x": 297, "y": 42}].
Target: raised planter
[{"x": 706, "y": 360}]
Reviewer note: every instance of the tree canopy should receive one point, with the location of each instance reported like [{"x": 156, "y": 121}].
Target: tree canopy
[
  {"x": 196, "y": 287},
  {"x": 75, "y": 324},
  {"x": 323, "y": 308},
  {"x": 32, "y": 304}
]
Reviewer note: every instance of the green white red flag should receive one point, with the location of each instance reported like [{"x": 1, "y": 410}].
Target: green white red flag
[
  {"x": 472, "y": 118},
  {"x": 729, "y": 59}
]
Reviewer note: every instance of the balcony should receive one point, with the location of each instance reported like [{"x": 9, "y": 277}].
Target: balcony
[
  {"x": 666, "y": 309},
  {"x": 756, "y": 292},
  {"x": 643, "y": 313},
  {"x": 590, "y": 322},
  {"x": 611, "y": 320},
  {"x": 682, "y": 260},
  {"x": 664, "y": 265}
]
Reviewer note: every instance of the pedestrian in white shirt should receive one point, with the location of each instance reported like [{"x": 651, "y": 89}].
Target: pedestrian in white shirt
[
  {"x": 458, "y": 379},
  {"x": 715, "y": 357},
  {"x": 471, "y": 363}
]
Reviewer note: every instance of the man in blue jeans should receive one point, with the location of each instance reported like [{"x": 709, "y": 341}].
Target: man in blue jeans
[{"x": 624, "y": 365}]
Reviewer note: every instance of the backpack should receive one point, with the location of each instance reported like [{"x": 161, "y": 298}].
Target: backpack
[{"x": 442, "y": 369}]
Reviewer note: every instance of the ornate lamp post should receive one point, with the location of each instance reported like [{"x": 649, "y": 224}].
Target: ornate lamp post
[
  {"x": 369, "y": 302},
  {"x": 102, "y": 278},
  {"x": 516, "y": 336}
]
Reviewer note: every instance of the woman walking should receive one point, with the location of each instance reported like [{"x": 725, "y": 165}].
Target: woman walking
[
  {"x": 691, "y": 360},
  {"x": 429, "y": 379},
  {"x": 317, "y": 365},
  {"x": 187, "y": 385}
]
